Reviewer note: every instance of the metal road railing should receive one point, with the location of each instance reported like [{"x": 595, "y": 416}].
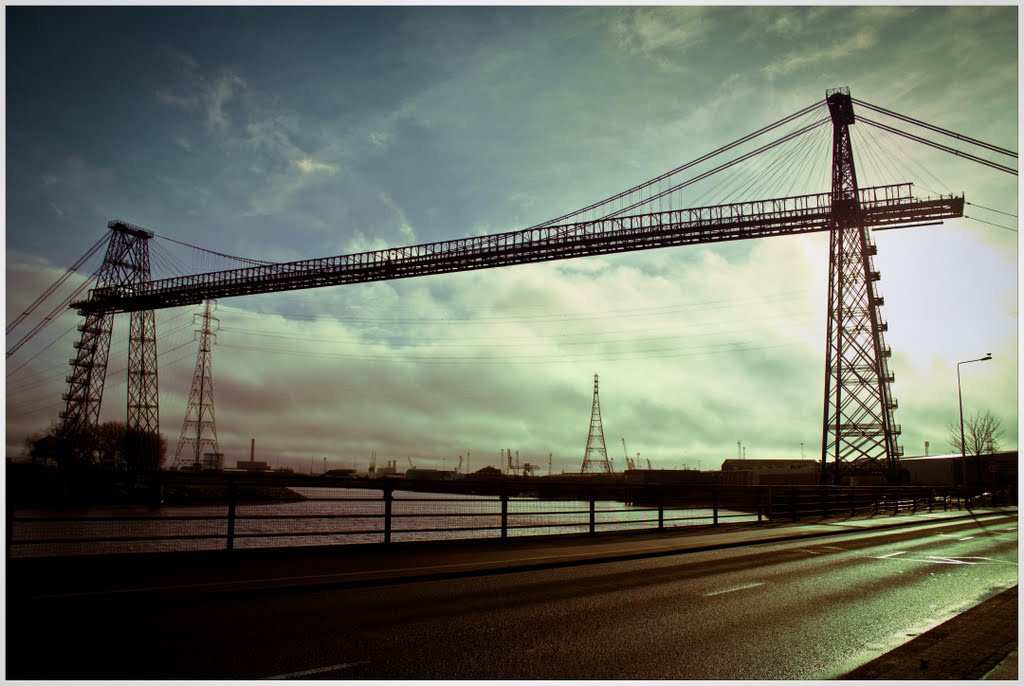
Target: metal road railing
[{"x": 181, "y": 512}]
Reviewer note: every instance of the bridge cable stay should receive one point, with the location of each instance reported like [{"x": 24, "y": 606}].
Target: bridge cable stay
[
  {"x": 900, "y": 158},
  {"x": 998, "y": 226},
  {"x": 781, "y": 172},
  {"x": 57, "y": 284},
  {"x": 990, "y": 209},
  {"x": 722, "y": 167},
  {"x": 937, "y": 129},
  {"x": 40, "y": 377},
  {"x": 684, "y": 167},
  {"x": 244, "y": 260},
  {"x": 679, "y": 186},
  {"x": 53, "y": 315},
  {"x": 38, "y": 353},
  {"x": 938, "y": 146}
]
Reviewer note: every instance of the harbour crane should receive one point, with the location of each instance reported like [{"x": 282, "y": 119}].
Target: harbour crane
[{"x": 629, "y": 460}]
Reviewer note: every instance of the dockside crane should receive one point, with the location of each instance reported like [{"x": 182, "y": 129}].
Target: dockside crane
[{"x": 629, "y": 460}]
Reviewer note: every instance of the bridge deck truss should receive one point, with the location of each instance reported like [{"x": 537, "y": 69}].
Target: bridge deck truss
[{"x": 881, "y": 207}]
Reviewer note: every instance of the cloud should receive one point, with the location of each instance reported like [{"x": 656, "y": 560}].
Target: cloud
[
  {"x": 307, "y": 165},
  {"x": 208, "y": 93},
  {"x": 75, "y": 187},
  {"x": 863, "y": 39},
  {"x": 657, "y": 31}
]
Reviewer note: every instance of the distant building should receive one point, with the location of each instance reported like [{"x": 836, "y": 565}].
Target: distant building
[
  {"x": 340, "y": 473},
  {"x": 487, "y": 473},
  {"x": 776, "y": 472},
  {"x": 994, "y": 470},
  {"x": 430, "y": 474},
  {"x": 252, "y": 466}
]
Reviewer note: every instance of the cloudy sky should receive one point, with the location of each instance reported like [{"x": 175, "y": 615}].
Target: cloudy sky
[{"x": 282, "y": 134}]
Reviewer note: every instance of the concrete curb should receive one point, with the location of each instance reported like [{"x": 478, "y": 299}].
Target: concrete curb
[{"x": 953, "y": 650}]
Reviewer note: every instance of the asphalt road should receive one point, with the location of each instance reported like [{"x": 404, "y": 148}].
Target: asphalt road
[{"x": 807, "y": 609}]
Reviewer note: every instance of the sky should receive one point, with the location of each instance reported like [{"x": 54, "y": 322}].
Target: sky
[{"x": 290, "y": 133}]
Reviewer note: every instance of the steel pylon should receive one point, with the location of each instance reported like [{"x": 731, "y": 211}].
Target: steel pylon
[
  {"x": 859, "y": 433},
  {"x": 595, "y": 457},
  {"x": 126, "y": 269},
  {"x": 199, "y": 416}
]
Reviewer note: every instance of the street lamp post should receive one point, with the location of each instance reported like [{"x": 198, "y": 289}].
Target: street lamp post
[{"x": 960, "y": 396}]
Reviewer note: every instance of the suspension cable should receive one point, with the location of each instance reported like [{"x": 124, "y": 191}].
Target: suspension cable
[
  {"x": 245, "y": 260},
  {"x": 57, "y": 284},
  {"x": 50, "y": 317},
  {"x": 991, "y": 209},
  {"x": 938, "y": 146},
  {"x": 951, "y": 134},
  {"x": 726, "y": 165},
  {"x": 704, "y": 158}
]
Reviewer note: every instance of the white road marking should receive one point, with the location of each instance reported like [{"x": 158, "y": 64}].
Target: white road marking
[
  {"x": 318, "y": 670},
  {"x": 736, "y": 588},
  {"x": 882, "y": 557},
  {"x": 965, "y": 538},
  {"x": 947, "y": 560}
]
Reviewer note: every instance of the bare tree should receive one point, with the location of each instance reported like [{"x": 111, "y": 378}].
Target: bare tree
[{"x": 982, "y": 432}]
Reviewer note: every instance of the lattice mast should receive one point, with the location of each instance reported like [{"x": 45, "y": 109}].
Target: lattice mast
[
  {"x": 199, "y": 428},
  {"x": 859, "y": 433},
  {"x": 595, "y": 457},
  {"x": 126, "y": 269}
]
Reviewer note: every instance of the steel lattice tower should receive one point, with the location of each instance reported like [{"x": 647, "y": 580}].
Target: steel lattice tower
[
  {"x": 595, "y": 458},
  {"x": 199, "y": 414},
  {"x": 859, "y": 432},
  {"x": 125, "y": 268}
]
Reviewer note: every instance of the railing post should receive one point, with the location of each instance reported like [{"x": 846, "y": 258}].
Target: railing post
[
  {"x": 824, "y": 502},
  {"x": 593, "y": 511},
  {"x": 876, "y": 496},
  {"x": 760, "y": 505},
  {"x": 771, "y": 511},
  {"x": 10, "y": 523},
  {"x": 232, "y": 501},
  {"x": 661, "y": 507},
  {"x": 504, "y": 511},
  {"x": 853, "y": 501},
  {"x": 388, "y": 500},
  {"x": 896, "y": 501},
  {"x": 714, "y": 503}
]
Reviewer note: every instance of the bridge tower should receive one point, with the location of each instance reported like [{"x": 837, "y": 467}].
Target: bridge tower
[
  {"x": 199, "y": 414},
  {"x": 859, "y": 433},
  {"x": 595, "y": 457},
  {"x": 125, "y": 268}
]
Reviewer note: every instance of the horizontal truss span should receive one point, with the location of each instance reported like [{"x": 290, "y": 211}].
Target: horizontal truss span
[{"x": 881, "y": 207}]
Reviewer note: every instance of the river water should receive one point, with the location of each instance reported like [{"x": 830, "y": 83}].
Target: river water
[{"x": 328, "y": 516}]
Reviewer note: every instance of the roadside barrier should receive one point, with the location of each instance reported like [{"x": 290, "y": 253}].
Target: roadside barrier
[{"x": 180, "y": 511}]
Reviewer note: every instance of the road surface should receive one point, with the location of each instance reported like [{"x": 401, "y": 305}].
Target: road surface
[{"x": 808, "y": 609}]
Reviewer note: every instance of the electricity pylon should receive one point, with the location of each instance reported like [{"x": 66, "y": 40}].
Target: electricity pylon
[
  {"x": 199, "y": 415},
  {"x": 595, "y": 458}
]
